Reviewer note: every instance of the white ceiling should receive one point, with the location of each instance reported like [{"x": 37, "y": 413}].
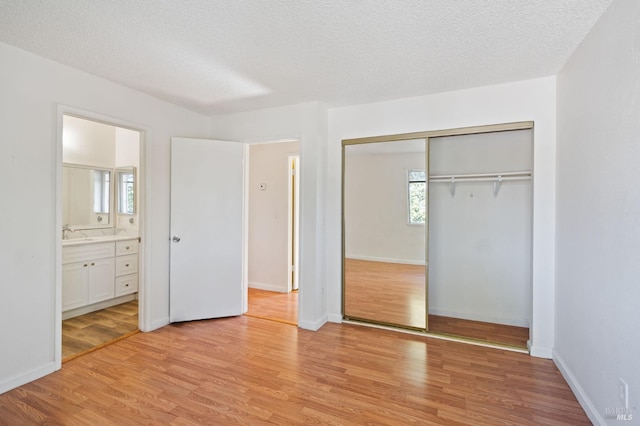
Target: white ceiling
[{"x": 222, "y": 56}]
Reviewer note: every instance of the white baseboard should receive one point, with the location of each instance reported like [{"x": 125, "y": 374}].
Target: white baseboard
[
  {"x": 313, "y": 325},
  {"x": 386, "y": 260},
  {"x": 158, "y": 324},
  {"x": 336, "y": 318},
  {"x": 268, "y": 287},
  {"x": 518, "y": 322},
  {"x": 27, "y": 377},
  {"x": 588, "y": 407},
  {"x": 539, "y": 352}
]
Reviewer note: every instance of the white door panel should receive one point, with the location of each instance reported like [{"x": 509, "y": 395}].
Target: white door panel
[{"x": 206, "y": 229}]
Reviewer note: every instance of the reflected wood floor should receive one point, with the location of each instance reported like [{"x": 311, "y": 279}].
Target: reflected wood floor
[
  {"x": 252, "y": 371},
  {"x": 478, "y": 330},
  {"x": 95, "y": 329},
  {"x": 399, "y": 298},
  {"x": 390, "y": 293},
  {"x": 274, "y": 306}
]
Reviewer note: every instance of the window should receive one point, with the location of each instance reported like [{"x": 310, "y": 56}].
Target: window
[
  {"x": 126, "y": 197},
  {"x": 417, "y": 195}
]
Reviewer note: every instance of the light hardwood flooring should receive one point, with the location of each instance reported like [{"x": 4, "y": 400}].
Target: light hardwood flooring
[
  {"x": 274, "y": 306},
  {"x": 245, "y": 370},
  {"x": 477, "y": 330},
  {"x": 389, "y": 293},
  {"x": 96, "y": 329},
  {"x": 394, "y": 293}
]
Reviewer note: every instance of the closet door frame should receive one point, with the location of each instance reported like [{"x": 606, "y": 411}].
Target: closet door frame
[{"x": 427, "y": 135}]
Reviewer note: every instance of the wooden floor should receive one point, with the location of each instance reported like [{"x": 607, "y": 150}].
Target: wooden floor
[
  {"x": 252, "y": 371},
  {"x": 95, "y": 329},
  {"x": 482, "y": 331},
  {"x": 394, "y": 293},
  {"x": 389, "y": 293},
  {"x": 274, "y": 306}
]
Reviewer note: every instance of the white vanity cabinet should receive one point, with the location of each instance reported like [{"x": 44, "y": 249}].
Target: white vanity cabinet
[
  {"x": 96, "y": 275},
  {"x": 88, "y": 273},
  {"x": 126, "y": 267}
]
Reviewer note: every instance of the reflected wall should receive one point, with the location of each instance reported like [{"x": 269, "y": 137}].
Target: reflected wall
[{"x": 384, "y": 211}]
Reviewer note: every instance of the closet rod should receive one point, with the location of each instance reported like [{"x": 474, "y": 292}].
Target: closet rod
[
  {"x": 482, "y": 175},
  {"x": 477, "y": 179}
]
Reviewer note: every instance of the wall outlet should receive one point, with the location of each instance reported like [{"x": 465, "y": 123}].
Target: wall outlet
[{"x": 623, "y": 393}]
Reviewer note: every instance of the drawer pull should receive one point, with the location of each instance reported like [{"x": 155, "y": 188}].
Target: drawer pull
[
  {"x": 126, "y": 285},
  {"x": 85, "y": 265},
  {"x": 127, "y": 248},
  {"x": 93, "y": 263},
  {"x": 127, "y": 265}
]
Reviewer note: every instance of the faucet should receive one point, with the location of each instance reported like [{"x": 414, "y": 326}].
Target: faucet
[{"x": 65, "y": 231}]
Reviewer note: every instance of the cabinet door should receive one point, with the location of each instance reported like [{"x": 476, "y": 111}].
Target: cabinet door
[
  {"x": 75, "y": 285},
  {"x": 101, "y": 280}
]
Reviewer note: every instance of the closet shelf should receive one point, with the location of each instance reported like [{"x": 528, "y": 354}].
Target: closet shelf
[
  {"x": 480, "y": 176},
  {"x": 496, "y": 178}
]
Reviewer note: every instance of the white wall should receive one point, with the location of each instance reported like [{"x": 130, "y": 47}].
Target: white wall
[
  {"x": 88, "y": 143},
  {"x": 598, "y": 215},
  {"x": 376, "y": 207},
  {"x": 127, "y": 147},
  {"x": 520, "y": 101},
  {"x": 128, "y": 154},
  {"x": 306, "y": 123},
  {"x": 479, "y": 242},
  {"x": 31, "y": 87},
  {"x": 269, "y": 215}
]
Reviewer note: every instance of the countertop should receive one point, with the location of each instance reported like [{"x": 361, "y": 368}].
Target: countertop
[{"x": 94, "y": 240}]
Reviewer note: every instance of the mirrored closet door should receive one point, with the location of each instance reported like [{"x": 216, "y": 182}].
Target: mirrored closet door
[
  {"x": 437, "y": 232},
  {"x": 480, "y": 236},
  {"x": 384, "y": 240}
]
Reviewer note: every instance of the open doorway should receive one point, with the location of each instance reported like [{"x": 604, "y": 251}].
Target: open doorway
[
  {"x": 273, "y": 231},
  {"x": 100, "y": 229}
]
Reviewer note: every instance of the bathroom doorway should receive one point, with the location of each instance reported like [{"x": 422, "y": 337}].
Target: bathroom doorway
[
  {"x": 273, "y": 230},
  {"x": 100, "y": 232}
]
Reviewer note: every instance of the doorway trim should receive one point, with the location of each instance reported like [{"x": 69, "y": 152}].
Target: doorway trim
[
  {"x": 293, "y": 222},
  {"x": 144, "y": 295}
]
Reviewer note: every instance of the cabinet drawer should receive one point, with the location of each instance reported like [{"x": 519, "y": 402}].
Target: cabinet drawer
[
  {"x": 126, "y": 264},
  {"x": 126, "y": 247},
  {"x": 126, "y": 284},
  {"x": 82, "y": 253}
]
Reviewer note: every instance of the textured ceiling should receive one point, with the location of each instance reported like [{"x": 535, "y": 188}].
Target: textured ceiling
[{"x": 220, "y": 56}]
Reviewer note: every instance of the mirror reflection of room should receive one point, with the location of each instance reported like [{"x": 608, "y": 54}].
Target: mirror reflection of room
[
  {"x": 480, "y": 236},
  {"x": 100, "y": 234},
  {"x": 384, "y": 233}
]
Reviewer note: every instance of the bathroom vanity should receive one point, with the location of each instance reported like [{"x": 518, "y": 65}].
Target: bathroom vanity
[{"x": 98, "y": 272}]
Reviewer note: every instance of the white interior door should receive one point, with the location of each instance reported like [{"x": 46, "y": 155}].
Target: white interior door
[{"x": 207, "y": 201}]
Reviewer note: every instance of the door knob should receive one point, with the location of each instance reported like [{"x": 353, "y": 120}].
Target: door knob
[{"x": 176, "y": 239}]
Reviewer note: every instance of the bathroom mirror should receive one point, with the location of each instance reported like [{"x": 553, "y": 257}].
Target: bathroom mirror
[
  {"x": 126, "y": 190},
  {"x": 385, "y": 232},
  {"x": 86, "y": 196}
]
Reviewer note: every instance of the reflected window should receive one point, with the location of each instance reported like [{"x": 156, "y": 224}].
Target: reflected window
[
  {"x": 126, "y": 193},
  {"x": 101, "y": 183},
  {"x": 417, "y": 194}
]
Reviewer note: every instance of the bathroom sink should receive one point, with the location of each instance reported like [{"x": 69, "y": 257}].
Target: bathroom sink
[{"x": 75, "y": 241}]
